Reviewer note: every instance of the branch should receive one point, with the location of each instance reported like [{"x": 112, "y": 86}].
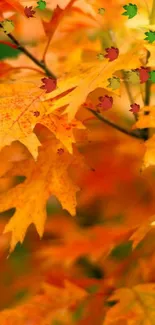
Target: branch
[
  {"x": 117, "y": 127},
  {"x": 41, "y": 64}
]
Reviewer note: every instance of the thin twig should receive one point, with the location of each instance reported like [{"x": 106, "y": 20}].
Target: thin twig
[
  {"x": 115, "y": 126},
  {"x": 42, "y": 65},
  {"x": 26, "y": 68},
  {"x": 46, "y": 48}
]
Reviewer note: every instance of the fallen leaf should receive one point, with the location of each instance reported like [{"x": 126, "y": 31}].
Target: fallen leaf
[
  {"x": 133, "y": 76},
  {"x": 114, "y": 83},
  {"x": 93, "y": 78},
  {"x": 112, "y": 53},
  {"x": 7, "y": 26},
  {"x": 106, "y": 103},
  {"x": 134, "y": 108},
  {"x": 49, "y": 84},
  {"x": 29, "y": 12}
]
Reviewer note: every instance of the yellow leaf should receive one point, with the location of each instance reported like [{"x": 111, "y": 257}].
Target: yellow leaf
[
  {"x": 149, "y": 157},
  {"x": 48, "y": 176},
  {"x": 58, "y": 124},
  {"x": 18, "y": 103},
  {"x": 8, "y": 26},
  {"x": 135, "y": 306},
  {"x": 94, "y": 77},
  {"x": 145, "y": 121}
]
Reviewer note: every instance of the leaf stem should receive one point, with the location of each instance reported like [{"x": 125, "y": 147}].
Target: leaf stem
[
  {"x": 41, "y": 64},
  {"x": 115, "y": 126}
]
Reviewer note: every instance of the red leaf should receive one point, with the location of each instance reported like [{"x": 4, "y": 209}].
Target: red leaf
[
  {"x": 134, "y": 108},
  {"x": 106, "y": 102},
  {"x": 143, "y": 74},
  {"x": 29, "y": 12},
  {"x": 112, "y": 53},
  {"x": 49, "y": 84}
]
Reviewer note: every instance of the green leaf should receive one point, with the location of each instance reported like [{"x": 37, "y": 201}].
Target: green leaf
[
  {"x": 41, "y": 4},
  {"x": 150, "y": 36},
  {"x": 8, "y": 52},
  {"x": 130, "y": 10},
  {"x": 152, "y": 76}
]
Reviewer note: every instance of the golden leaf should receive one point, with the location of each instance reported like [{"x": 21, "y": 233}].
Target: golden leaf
[
  {"x": 18, "y": 104},
  {"x": 63, "y": 131},
  {"x": 135, "y": 306},
  {"x": 48, "y": 176},
  {"x": 93, "y": 78}
]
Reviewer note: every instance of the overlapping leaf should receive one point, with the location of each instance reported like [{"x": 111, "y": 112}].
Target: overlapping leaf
[
  {"x": 134, "y": 306},
  {"x": 95, "y": 78},
  {"x": 48, "y": 176},
  {"x": 63, "y": 131},
  {"x": 18, "y": 102}
]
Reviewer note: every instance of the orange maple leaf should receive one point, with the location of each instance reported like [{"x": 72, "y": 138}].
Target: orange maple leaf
[
  {"x": 135, "y": 305},
  {"x": 18, "y": 103},
  {"x": 86, "y": 82},
  {"x": 63, "y": 131},
  {"x": 48, "y": 176}
]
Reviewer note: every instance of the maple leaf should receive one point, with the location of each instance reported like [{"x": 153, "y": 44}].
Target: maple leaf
[
  {"x": 152, "y": 76},
  {"x": 101, "y": 11},
  {"x": 134, "y": 306},
  {"x": 49, "y": 84},
  {"x": 106, "y": 102},
  {"x": 100, "y": 56},
  {"x": 7, "y": 26},
  {"x": 18, "y": 103},
  {"x": 132, "y": 76},
  {"x": 73, "y": 91},
  {"x": 48, "y": 176},
  {"x": 130, "y": 10},
  {"x": 143, "y": 74},
  {"x": 150, "y": 36},
  {"x": 63, "y": 131},
  {"x": 29, "y": 12},
  {"x": 51, "y": 304},
  {"x": 134, "y": 108},
  {"x": 112, "y": 53},
  {"x": 36, "y": 113},
  {"x": 114, "y": 83},
  {"x": 41, "y": 4}
]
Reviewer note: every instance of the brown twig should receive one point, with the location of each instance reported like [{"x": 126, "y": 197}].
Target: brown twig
[
  {"x": 115, "y": 126},
  {"x": 41, "y": 64}
]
